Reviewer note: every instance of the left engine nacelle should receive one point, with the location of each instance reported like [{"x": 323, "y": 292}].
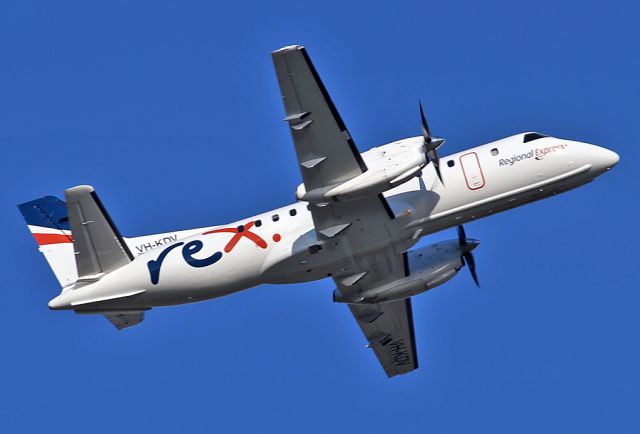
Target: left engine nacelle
[
  {"x": 388, "y": 166},
  {"x": 429, "y": 267}
]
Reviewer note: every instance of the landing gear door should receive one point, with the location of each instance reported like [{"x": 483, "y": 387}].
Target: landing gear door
[{"x": 473, "y": 175}]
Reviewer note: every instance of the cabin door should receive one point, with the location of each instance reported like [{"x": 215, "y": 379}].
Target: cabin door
[{"x": 473, "y": 175}]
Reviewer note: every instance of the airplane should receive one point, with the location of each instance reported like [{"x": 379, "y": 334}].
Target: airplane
[{"x": 356, "y": 218}]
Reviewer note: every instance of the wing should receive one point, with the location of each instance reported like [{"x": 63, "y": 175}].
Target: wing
[
  {"x": 388, "y": 328},
  {"x": 360, "y": 228},
  {"x": 326, "y": 152}
]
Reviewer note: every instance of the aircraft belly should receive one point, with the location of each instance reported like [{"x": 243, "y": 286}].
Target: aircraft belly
[
  {"x": 425, "y": 205},
  {"x": 451, "y": 213},
  {"x": 294, "y": 262}
]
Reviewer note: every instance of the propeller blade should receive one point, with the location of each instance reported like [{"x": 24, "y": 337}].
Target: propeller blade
[
  {"x": 431, "y": 144},
  {"x": 467, "y": 256},
  {"x": 471, "y": 263},
  {"x": 462, "y": 236},
  {"x": 435, "y": 159},
  {"x": 426, "y": 133}
]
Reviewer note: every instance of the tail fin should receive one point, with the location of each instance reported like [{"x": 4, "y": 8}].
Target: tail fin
[
  {"x": 78, "y": 238},
  {"x": 80, "y": 243},
  {"x": 48, "y": 221}
]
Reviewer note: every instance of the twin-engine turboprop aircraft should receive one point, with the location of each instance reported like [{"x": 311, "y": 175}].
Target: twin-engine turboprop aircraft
[{"x": 356, "y": 219}]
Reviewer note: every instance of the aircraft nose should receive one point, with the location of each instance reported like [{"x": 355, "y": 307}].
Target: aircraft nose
[
  {"x": 601, "y": 159},
  {"x": 608, "y": 158}
]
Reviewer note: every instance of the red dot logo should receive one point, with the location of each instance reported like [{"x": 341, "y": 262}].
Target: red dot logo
[{"x": 276, "y": 237}]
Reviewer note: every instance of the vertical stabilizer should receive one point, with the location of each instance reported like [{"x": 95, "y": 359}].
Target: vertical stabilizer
[{"x": 48, "y": 222}]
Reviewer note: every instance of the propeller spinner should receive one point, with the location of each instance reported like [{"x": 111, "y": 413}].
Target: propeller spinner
[{"x": 431, "y": 144}]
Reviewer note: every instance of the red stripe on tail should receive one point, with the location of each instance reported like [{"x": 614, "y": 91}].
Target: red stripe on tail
[{"x": 43, "y": 239}]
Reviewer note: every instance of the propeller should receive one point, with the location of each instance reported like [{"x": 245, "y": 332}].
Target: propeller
[
  {"x": 431, "y": 144},
  {"x": 466, "y": 247}
]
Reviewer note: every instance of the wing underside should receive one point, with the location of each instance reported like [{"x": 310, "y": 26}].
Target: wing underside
[
  {"x": 388, "y": 328},
  {"x": 326, "y": 152},
  {"x": 358, "y": 229}
]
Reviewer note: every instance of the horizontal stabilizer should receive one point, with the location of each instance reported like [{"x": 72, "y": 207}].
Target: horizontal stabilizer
[
  {"x": 124, "y": 320},
  {"x": 99, "y": 247}
]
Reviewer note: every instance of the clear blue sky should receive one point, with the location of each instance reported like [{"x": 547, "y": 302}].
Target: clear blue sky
[{"x": 171, "y": 110}]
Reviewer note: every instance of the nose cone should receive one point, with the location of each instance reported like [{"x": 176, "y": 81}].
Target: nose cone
[
  {"x": 609, "y": 158},
  {"x": 602, "y": 159}
]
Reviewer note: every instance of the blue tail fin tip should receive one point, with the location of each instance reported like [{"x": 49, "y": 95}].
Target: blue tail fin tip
[{"x": 48, "y": 211}]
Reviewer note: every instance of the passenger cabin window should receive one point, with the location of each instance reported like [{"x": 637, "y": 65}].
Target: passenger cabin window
[
  {"x": 258, "y": 223},
  {"x": 494, "y": 152},
  {"x": 530, "y": 137},
  {"x": 292, "y": 212},
  {"x": 451, "y": 163},
  {"x": 275, "y": 217}
]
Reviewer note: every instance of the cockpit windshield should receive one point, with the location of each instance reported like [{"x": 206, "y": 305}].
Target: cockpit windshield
[{"x": 530, "y": 137}]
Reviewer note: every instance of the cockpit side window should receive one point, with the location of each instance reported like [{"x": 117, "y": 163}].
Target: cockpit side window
[{"x": 530, "y": 137}]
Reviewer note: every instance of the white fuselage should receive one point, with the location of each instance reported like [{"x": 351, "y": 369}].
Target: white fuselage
[{"x": 280, "y": 246}]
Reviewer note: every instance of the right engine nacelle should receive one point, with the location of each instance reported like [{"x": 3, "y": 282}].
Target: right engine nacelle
[{"x": 429, "y": 267}]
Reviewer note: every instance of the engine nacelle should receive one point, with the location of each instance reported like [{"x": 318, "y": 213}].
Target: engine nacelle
[
  {"x": 387, "y": 167},
  {"x": 429, "y": 267}
]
